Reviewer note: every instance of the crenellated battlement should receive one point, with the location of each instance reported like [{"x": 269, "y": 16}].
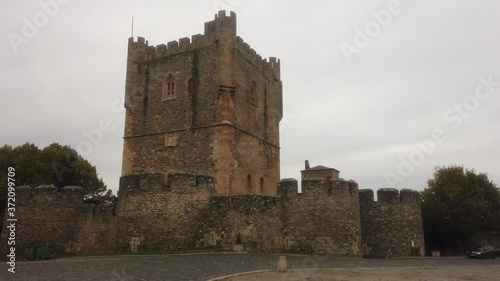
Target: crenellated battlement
[
  {"x": 289, "y": 187},
  {"x": 391, "y": 226},
  {"x": 390, "y": 196},
  {"x": 272, "y": 66},
  {"x": 223, "y": 27},
  {"x": 147, "y": 181},
  {"x": 50, "y": 193},
  {"x": 140, "y": 50},
  {"x": 58, "y": 215},
  {"x": 174, "y": 182},
  {"x": 68, "y": 196},
  {"x": 221, "y": 23},
  {"x": 324, "y": 218}
]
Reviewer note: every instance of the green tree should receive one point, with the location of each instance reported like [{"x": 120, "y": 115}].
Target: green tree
[
  {"x": 55, "y": 164},
  {"x": 457, "y": 203}
]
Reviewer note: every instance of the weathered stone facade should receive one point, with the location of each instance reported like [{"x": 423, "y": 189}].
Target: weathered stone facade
[
  {"x": 201, "y": 168},
  {"x": 162, "y": 216},
  {"x": 392, "y": 226},
  {"x": 45, "y": 214},
  {"x": 206, "y": 106},
  {"x": 323, "y": 219}
]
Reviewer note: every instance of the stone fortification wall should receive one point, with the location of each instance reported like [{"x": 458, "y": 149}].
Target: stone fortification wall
[
  {"x": 162, "y": 215},
  {"x": 59, "y": 217},
  {"x": 323, "y": 219},
  {"x": 243, "y": 222},
  {"x": 186, "y": 213},
  {"x": 392, "y": 226}
]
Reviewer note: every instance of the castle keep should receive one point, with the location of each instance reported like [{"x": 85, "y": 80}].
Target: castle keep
[
  {"x": 208, "y": 106},
  {"x": 201, "y": 168}
]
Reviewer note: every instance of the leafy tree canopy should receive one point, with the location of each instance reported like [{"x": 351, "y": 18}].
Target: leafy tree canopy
[
  {"x": 459, "y": 202},
  {"x": 55, "y": 164}
]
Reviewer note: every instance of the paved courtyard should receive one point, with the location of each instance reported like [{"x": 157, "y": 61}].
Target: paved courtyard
[{"x": 202, "y": 267}]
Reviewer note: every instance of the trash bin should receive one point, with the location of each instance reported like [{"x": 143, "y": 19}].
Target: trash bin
[
  {"x": 30, "y": 253},
  {"x": 43, "y": 252}
]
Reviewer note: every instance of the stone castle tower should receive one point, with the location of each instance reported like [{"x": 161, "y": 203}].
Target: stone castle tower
[
  {"x": 201, "y": 169},
  {"x": 208, "y": 106}
]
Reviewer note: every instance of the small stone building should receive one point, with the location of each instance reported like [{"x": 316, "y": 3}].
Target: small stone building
[{"x": 319, "y": 173}]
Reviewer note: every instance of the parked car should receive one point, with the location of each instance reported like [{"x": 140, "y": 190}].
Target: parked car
[{"x": 482, "y": 252}]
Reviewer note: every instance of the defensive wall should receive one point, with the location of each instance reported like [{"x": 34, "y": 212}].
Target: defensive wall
[
  {"x": 47, "y": 215},
  {"x": 201, "y": 165},
  {"x": 332, "y": 218},
  {"x": 323, "y": 219},
  {"x": 391, "y": 226},
  {"x": 187, "y": 213},
  {"x": 162, "y": 215}
]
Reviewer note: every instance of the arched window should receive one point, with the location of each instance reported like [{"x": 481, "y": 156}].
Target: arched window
[
  {"x": 249, "y": 182},
  {"x": 168, "y": 87},
  {"x": 254, "y": 93},
  {"x": 190, "y": 86},
  {"x": 261, "y": 184}
]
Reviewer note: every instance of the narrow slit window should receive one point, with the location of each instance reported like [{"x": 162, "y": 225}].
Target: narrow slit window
[
  {"x": 190, "y": 86},
  {"x": 254, "y": 93},
  {"x": 249, "y": 182}
]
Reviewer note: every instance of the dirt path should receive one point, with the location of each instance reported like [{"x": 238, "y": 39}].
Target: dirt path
[{"x": 448, "y": 273}]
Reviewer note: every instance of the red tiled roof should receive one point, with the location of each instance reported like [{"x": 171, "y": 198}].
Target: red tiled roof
[{"x": 319, "y": 167}]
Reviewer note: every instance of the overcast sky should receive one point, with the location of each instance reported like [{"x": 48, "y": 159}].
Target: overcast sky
[{"x": 383, "y": 91}]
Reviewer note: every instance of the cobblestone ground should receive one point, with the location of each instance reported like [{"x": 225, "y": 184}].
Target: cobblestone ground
[
  {"x": 437, "y": 273},
  {"x": 202, "y": 266}
]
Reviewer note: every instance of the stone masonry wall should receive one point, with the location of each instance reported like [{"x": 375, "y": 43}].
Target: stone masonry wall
[
  {"x": 249, "y": 221},
  {"x": 257, "y": 118},
  {"x": 257, "y": 160},
  {"x": 323, "y": 219},
  {"x": 187, "y": 214},
  {"x": 168, "y": 135},
  {"x": 391, "y": 224},
  {"x": 60, "y": 218},
  {"x": 96, "y": 230},
  {"x": 162, "y": 216}
]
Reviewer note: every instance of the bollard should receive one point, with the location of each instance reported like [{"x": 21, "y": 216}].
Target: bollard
[
  {"x": 435, "y": 253},
  {"x": 281, "y": 263}
]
